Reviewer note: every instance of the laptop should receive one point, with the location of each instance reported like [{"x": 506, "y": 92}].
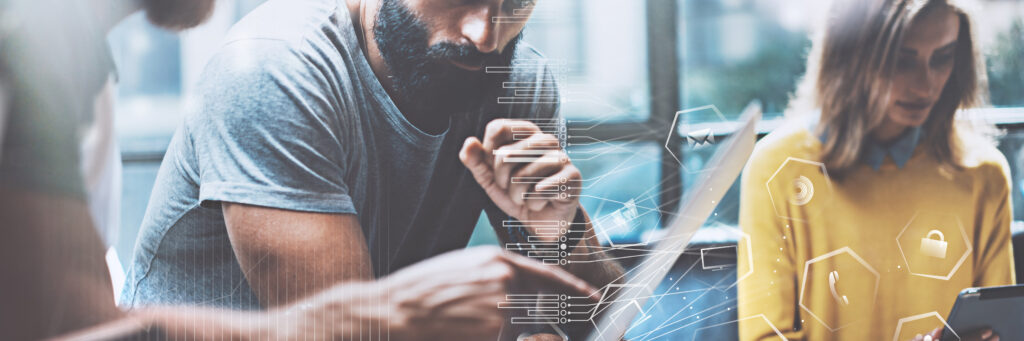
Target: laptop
[{"x": 713, "y": 182}]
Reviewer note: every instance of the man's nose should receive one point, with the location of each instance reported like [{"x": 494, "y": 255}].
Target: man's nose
[{"x": 479, "y": 28}]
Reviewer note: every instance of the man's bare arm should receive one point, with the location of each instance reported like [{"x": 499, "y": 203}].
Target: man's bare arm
[
  {"x": 453, "y": 296},
  {"x": 589, "y": 261},
  {"x": 287, "y": 255}
]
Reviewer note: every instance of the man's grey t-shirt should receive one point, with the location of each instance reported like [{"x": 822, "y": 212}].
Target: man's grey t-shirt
[{"x": 290, "y": 116}]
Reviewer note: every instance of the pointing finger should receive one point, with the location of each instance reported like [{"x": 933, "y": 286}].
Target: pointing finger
[{"x": 552, "y": 276}]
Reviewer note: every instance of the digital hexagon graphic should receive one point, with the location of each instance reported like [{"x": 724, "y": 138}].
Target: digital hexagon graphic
[
  {"x": 745, "y": 244},
  {"x": 799, "y": 188},
  {"x": 829, "y": 280},
  {"x": 695, "y": 136},
  {"x": 930, "y": 242},
  {"x": 921, "y": 330}
]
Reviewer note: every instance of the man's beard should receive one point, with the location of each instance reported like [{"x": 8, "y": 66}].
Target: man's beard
[
  {"x": 178, "y": 14},
  {"x": 424, "y": 81}
]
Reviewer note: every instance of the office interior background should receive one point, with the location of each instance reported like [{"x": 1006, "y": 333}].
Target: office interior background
[{"x": 626, "y": 68}]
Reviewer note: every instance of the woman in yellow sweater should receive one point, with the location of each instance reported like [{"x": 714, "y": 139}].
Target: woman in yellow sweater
[{"x": 869, "y": 214}]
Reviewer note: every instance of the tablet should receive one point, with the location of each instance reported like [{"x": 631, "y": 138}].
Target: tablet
[
  {"x": 999, "y": 308},
  {"x": 701, "y": 200}
]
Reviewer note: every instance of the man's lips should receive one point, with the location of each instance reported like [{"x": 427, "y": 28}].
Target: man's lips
[
  {"x": 476, "y": 67},
  {"x": 914, "y": 106}
]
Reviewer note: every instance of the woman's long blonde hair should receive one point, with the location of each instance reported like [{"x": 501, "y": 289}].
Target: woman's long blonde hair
[{"x": 848, "y": 78}]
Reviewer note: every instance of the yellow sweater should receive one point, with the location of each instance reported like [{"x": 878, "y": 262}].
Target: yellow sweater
[{"x": 828, "y": 259}]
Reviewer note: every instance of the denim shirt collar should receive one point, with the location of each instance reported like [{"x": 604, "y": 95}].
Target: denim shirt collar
[
  {"x": 874, "y": 153},
  {"x": 899, "y": 150}
]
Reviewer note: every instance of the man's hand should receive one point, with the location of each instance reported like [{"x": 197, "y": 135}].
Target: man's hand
[
  {"x": 984, "y": 334},
  {"x": 541, "y": 337},
  {"x": 525, "y": 172},
  {"x": 453, "y": 296}
]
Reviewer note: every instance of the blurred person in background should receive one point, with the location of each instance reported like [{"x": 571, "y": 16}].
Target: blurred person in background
[
  {"x": 56, "y": 192},
  {"x": 55, "y": 80},
  {"x": 884, "y": 144}
]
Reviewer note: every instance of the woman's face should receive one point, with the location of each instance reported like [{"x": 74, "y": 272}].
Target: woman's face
[{"x": 923, "y": 66}]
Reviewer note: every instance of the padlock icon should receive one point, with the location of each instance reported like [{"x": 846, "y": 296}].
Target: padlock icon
[{"x": 934, "y": 247}]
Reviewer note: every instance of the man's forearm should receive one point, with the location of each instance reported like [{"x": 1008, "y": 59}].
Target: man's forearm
[
  {"x": 344, "y": 312},
  {"x": 589, "y": 262},
  {"x": 184, "y": 323}
]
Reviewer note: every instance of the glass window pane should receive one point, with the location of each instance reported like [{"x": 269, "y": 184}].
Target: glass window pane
[
  {"x": 1012, "y": 146},
  {"x": 1002, "y": 36},
  {"x": 148, "y": 62},
  {"x": 620, "y": 188},
  {"x": 602, "y": 46},
  {"x": 734, "y": 51}
]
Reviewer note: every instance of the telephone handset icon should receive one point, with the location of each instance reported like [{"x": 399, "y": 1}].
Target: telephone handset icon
[{"x": 833, "y": 277}]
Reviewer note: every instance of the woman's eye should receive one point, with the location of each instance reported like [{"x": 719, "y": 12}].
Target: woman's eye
[
  {"x": 942, "y": 60},
  {"x": 905, "y": 64}
]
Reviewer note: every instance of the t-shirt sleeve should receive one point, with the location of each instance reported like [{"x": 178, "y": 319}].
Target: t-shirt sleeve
[{"x": 264, "y": 131}]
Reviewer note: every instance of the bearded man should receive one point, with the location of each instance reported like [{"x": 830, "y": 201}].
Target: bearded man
[{"x": 337, "y": 141}]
